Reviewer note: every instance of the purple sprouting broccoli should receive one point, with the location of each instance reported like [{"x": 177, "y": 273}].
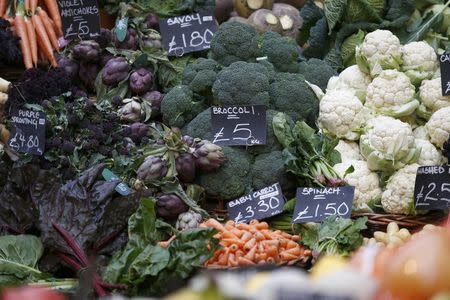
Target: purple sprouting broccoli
[
  {"x": 88, "y": 73},
  {"x": 169, "y": 206},
  {"x": 115, "y": 71},
  {"x": 87, "y": 51},
  {"x": 69, "y": 65},
  {"x": 185, "y": 165},
  {"x": 141, "y": 81}
]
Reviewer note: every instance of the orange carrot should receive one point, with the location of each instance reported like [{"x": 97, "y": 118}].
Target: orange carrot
[
  {"x": 294, "y": 251},
  {"x": 27, "y": 5},
  {"x": 32, "y": 40},
  {"x": 246, "y": 236},
  {"x": 229, "y": 235},
  {"x": 250, "y": 244},
  {"x": 215, "y": 224},
  {"x": 33, "y": 6},
  {"x": 237, "y": 232},
  {"x": 262, "y": 225},
  {"x": 43, "y": 39},
  {"x": 287, "y": 256},
  {"x": 270, "y": 260},
  {"x": 48, "y": 28},
  {"x": 259, "y": 236},
  {"x": 253, "y": 222},
  {"x": 261, "y": 256},
  {"x": 53, "y": 10},
  {"x": 24, "y": 41},
  {"x": 243, "y": 226},
  {"x": 291, "y": 244},
  {"x": 229, "y": 242},
  {"x": 251, "y": 254},
  {"x": 232, "y": 261},
  {"x": 2, "y": 7},
  {"x": 229, "y": 224},
  {"x": 245, "y": 262}
]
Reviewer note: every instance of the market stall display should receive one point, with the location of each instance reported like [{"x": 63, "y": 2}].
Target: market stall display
[{"x": 228, "y": 149}]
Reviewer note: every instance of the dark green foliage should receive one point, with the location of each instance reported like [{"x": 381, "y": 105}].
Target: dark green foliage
[
  {"x": 200, "y": 126},
  {"x": 282, "y": 52},
  {"x": 200, "y": 75},
  {"x": 317, "y": 72},
  {"x": 269, "y": 168}
]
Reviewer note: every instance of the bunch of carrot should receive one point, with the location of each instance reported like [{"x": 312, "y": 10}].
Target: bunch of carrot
[
  {"x": 253, "y": 243},
  {"x": 37, "y": 30}
]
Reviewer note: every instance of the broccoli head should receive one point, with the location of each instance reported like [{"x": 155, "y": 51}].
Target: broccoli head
[
  {"x": 292, "y": 95},
  {"x": 268, "y": 169},
  {"x": 200, "y": 126},
  {"x": 232, "y": 179},
  {"x": 180, "y": 105},
  {"x": 200, "y": 75},
  {"x": 243, "y": 84},
  {"x": 282, "y": 52},
  {"x": 234, "y": 41},
  {"x": 317, "y": 71}
]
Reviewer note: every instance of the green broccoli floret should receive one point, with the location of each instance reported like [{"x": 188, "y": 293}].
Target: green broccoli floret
[
  {"x": 234, "y": 41},
  {"x": 180, "y": 105},
  {"x": 317, "y": 71},
  {"x": 200, "y": 126},
  {"x": 200, "y": 75},
  {"x": 243, "y": 84},
  {"x": 268, "y": 169},
  {"x": 272, "y": 143},
  {"x": 292, "y": 95},
  {"x": 231, "y": 180},
  {"x": 282, "y": 52}
]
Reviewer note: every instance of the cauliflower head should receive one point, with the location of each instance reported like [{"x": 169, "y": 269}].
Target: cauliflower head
[
  {"x": 429, "y": 155},
  {"x": 420, "y": 133},
  {"x": 342, "y": 114},
  {"x": 431, "y": 98},
  {"x": 438, "y": 127},
  {"x": 349, "y": 150},
  {"x": 391, "y": 94},
  {"x": 380, "y": 50},
  {"x": 366, "y": 183},
  {"x": 351, "y": 78},
  {"x": 398, "y": 198},
  {"x": 388, "y": 144},
  {"x": 419, "y": 61}
]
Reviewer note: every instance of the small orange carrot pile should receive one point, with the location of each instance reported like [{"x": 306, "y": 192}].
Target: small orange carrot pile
[
  {"x": 38, "y": 30},
  {"x": 254, "y": 243}
]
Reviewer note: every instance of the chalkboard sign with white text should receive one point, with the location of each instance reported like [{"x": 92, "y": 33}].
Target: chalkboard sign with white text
[
  {"x": 262, "y": 204},
  {"x": 432, "y": 188},
  {"x": 444, "y": 60},
  {"x": 189, "y": 33},
  {"x": 317, "y": 204},
  {"x": 239, "y": 125},
  {"x": 80, "y": 18},
  {"x": 27, "y": 131}
]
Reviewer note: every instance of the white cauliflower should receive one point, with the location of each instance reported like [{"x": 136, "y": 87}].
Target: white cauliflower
[
  {"x": 388, "y": 144},
  {"x": 429, "y": 155},
  {"x": 366, "y": 183},
  {"x": 421, "y": 133},
  {"x": 438, "y": 127},
  {"x": 431, "y": 98},
  {"x": 348, "y": 150},
  {"x": 419, "y": 61},
  {"x": 351, "y": 78},
  {"x": 380, "y": 50},
  {"x": 391, "y": 94},
  {"x": 342, "y": 114},
  {"x": 398, "y": 197}
]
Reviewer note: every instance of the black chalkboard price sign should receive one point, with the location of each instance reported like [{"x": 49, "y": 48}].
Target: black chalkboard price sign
[
  {"x": 444, "y": 60},
  {"x": 27, "y": 131},
  {"x": 239, "y": 125},
  {"x": 262, "y": 204},
  {"x": 316, "y": 204},
  {"x": 189, "y": 33},
  {"x": 80, "y": 18},
  {"x": 432, "y": 188}
]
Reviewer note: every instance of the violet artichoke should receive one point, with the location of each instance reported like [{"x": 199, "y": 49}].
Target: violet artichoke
[
  {"x": 88, "y": 51},
  {"x": 136, "y": 131},
  {"x": 69, "y": 65},
  {"x": 152, "y": 21},
  {"x": 131, "y": 111},
  {"x": 141, "y": 81},
  {"x": 105, "y": 38},
  {"x": 153, "y": 168},
  {"x": 169, "y": 206},
  {"x": 105, "y": 57},
  {"x": 154, "y": 98},
  {"x": 185, "y": 165},
  {"x": 152, "y": 41},
  {"x": 115, "y": 71},
  {"x": 208, "y": 156},
  {"x": 130, "y": 42},
  {"x": 188, "y": 140}
]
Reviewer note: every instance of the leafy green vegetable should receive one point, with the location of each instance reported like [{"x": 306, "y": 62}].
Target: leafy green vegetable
[
  {"x": 146, "y": 267},
  {"x": 334, "y": 236},
  {"x": 348, "y": 48},
  {"x": 334, "y": 10},
  {"x": 19, "y": 256}
]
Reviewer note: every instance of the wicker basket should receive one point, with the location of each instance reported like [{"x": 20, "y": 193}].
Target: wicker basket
[{"x": 379, "y": 222}]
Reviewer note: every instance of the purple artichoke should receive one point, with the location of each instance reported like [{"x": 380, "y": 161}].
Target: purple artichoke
[
  {"x": 88, "y": 73},
  {"x": 130, "y": 42},
  {"x": 153, "y": 168},
  {"x": 208, "y": 156},
  {"x": 188, "y": 140},
  {"x": 152, "y": 41},
  {"x": 141, "y": 81},
  {"x": 88, "y": 51},
  {"x": 185, "y": 165},
  {"x": 105, "y": 38},
  {"x": 169, "y": 206},
  {"x": 152, "y": 21},
  {"x": 105, "y": 57},
  {"x": 115, "y": 71},
  {"x": 154, "y": 98},
  {"x": 69, "y": 65},
  {"x": 136, "y": 131}
]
